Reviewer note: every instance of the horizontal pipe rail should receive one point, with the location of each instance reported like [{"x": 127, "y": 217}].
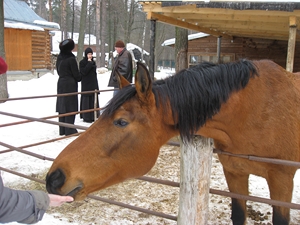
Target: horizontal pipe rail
[
  {"x": 50, "y": 117},
  {"x": 45, "y": 121},
  {"x": 163, "y": 215},
  {"x": 54, "y": 95},
  {"x": 150, "y": 179},
  {"x": 41, "y": 143},
  {"x": 260, "y": 159},
  {"x": 249, "y": 157}
]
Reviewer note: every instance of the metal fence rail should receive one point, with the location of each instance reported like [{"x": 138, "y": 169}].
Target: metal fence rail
[{"x": 144, "y": 178}]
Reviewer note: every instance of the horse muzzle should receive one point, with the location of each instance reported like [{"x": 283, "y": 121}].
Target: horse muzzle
[{"x": 56, "y": 184}]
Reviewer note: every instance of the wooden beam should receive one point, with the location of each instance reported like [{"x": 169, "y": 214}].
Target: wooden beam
[
  {"x": 229, "y": 17},
  {"x": 192, "y": 8},
  {"x": 224, "y": 25},
  {"x": 178, "y": 23},
  {"x": 291, "y": 44}
]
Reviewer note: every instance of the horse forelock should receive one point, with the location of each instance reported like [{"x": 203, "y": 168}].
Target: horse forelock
[
  {"x": 195, "y": 94},
  {"x": 118, "y": 100}
]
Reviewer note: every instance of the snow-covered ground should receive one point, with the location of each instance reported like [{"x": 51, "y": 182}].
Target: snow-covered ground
[{"x": 28, "y": 133}]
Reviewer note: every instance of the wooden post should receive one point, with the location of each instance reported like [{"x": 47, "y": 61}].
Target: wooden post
[
  {"x": 219, "y": 49},
  {"x": 291, "y": 44},
  {"x": 95, "y": 104},
  {"x": 195, "y": 168}
]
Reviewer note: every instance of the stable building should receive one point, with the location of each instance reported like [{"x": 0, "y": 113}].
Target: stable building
[{"x": 204, "y": 47}]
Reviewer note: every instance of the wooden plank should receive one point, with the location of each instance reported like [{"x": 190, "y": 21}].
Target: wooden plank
[{"x": 41, "y": 53}]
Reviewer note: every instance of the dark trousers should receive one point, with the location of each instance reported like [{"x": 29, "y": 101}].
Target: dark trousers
[{"x": 67, "y": 130}]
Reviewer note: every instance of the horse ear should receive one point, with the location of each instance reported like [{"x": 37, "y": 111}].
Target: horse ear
[
  {"x": 122, "y": 82},
  {"x": 143, "y": 82}
]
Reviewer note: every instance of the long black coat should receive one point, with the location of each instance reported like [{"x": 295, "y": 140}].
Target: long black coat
[
  {"x": 69, "y": 76},
  {"x": 89, "y": 80},
  {"x": 124, "y": 66}
]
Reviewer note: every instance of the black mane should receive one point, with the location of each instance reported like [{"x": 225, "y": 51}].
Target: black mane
[{"x": 195, "y": 94}]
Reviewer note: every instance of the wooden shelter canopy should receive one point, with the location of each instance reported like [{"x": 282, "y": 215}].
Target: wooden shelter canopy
[{"x": 268, "y": 20}]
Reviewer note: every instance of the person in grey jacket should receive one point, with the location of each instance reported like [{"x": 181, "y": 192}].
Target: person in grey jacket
[
  {"x": 123, "y": 64},
  {"x": 26, "y": 206}
]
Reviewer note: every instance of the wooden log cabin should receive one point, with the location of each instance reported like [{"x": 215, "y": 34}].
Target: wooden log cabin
[{"x": 27, "y": 38}]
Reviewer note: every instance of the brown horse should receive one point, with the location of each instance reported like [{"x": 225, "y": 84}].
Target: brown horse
[{"x": 247, "y": 107}]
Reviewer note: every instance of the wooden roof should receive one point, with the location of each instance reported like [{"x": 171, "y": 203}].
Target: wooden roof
[{"x": 269, "y": 20}]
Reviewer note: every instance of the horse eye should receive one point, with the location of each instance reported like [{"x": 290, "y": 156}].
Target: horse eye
[{"x": 120, "y": 123}]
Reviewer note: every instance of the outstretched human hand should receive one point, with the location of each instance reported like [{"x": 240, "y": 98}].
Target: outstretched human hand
[{"x": 57, "y": 200}]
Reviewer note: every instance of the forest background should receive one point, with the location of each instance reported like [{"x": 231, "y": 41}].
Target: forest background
[{"x": 109, "y": 21}]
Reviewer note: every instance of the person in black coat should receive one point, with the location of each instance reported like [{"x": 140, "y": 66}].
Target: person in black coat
[
  {"x": 123, "y": 64},
  {"x": 89, "y": 82},
  {"x": 69, "y": 76}
]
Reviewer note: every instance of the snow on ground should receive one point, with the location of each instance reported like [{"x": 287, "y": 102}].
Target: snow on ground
[{"x": 145, "y": 195}]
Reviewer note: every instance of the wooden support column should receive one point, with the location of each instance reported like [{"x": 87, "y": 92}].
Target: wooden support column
[
  {"x": 195, "y": 169},
  {"x": 219, "y": 49},
  {"x": 152, "y": 48},
  {"x": 291, "y": 44}
]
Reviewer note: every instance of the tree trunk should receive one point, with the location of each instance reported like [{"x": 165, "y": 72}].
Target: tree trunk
[
  {"x": 81, "y": 30},
  {"x": 73, "y": 16},
  {"x": 50, "y": 10},
  {"x": 3, "y": 77},
  {"x": 130, "y": 21},
  {"x": 64, "y": 20},
  {"x": 181, "y": 48},
  {"x": 103, "y": 33},
  {"x": 98, "y": 32}
]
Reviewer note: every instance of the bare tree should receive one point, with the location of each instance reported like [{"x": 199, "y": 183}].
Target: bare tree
[
  {"x": 103, "y": 32},
  {"x": 63, "y": 18},
  {"x": 81, "y": 30},
  {"x": 181, "y": 47},
  {"x": 130, "y": 19},
  {"x": 3, "y": 77},
  {"x": 97, "y": 32},
  {"x": 73, "y": 20},
  {"x": 50, "y": 10}
]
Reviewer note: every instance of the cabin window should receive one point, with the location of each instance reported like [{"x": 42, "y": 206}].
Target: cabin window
[{"x": 196, "y": 58}]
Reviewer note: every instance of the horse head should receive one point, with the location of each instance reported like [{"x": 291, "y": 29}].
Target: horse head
[{"x": 117, "y": 146}]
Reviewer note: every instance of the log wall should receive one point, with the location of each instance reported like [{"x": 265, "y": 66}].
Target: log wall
[{"x": 250, "y": 48}]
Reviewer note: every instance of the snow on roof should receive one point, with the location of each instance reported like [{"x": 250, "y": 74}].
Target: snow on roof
[
  {"x": 16, "y": 11},
  {"x": 190, "y": 37},
  {"x": 22, "y": 26}
]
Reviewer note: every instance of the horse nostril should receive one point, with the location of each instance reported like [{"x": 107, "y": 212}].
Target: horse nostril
[{"x": 54, "y": 181}]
